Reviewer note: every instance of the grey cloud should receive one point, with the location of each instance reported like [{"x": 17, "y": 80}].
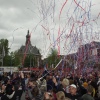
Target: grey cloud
[{"x": 16, "y": 3}]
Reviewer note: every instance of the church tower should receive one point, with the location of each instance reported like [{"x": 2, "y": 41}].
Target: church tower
[
  {"x": 28, "y": 50},
  {"x": 28, "y": 38}
]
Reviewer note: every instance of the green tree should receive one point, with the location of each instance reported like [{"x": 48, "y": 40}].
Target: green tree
[
  {"x": 16, "y": 58},
  {"x": 7, "y": 60},
  {"x": 53, "y": 58},
  {"x": 4, "y": 51},
  {"x": 4, "y": 43}
]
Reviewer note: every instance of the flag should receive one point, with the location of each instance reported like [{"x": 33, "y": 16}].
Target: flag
[
  {"x": 45, "y": 68},
  {"x": 45, "y": 72}
]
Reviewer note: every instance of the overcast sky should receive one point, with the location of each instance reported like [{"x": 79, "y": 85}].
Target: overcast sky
[{"x": 41, "y": 17}]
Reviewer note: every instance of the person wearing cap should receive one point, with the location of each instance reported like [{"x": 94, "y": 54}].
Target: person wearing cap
[
  {"x": 85, "y": 85},
  {"x": 73, "y": 95}
]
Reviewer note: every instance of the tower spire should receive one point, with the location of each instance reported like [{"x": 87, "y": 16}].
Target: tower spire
[{"x": 28, "y": 38}]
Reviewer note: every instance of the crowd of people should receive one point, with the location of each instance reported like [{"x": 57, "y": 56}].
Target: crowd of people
[{"x": 50, "y": 85}]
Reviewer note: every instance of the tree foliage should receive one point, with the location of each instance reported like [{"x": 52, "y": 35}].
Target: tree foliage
[
  {"x": 53, "y": 58},
  {"x": 7, "y": 58},
  {"x": 4, "y": 51},
  {"x": 4, "y": 43},
  {"x": 16, "y": 58}
]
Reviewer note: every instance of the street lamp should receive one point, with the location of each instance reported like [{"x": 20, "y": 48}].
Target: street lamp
[{"x": 30, "y": 62}]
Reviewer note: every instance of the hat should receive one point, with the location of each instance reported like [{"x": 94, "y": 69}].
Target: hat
[
  {"x": 73, "y": 85},
  {"x": 65, "y": 81},
  {"x": 85, "y": 84}
]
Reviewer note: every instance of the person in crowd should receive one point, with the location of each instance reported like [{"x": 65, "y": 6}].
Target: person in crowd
[
  {"x": 12, "y": 90},
  {"x": 49, "y": 81},
  {"x": 98, "y": 83},
  {"x": 88, "y": 95},
  {"x": 48, "y": 96},
  {"x": 64, "y": 86},
  {"x": 9, "y": 93},
  {"x": 73, "y": 95},
  {"x": 35, "y": 88},
  {"x": 27, "y": 78},
  {"x": 47, "y": 85},
  {"x": 81, "y": 86},
  {"x": 61, "y": 96},
  {"x": 2, "y": 89},
  {"x": 93, "y": 82}
]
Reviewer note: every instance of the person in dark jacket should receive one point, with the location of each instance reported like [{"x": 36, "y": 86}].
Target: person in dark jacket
[
  {"x": 82, "y": 88},
  {"x": 88, "y": 95},
  {"x": 50, "y": 83},
  {"x": 10, "y": 93}
]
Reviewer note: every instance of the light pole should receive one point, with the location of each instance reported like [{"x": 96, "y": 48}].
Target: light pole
[
  {"x": 30, "y": 62},
  {"x": 11, "y": 65},
  {"x": 2, "y": 60},
  {"x": 3, "y": 55}
]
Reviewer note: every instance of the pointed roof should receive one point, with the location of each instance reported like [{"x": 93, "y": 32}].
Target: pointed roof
[
  {"x": 30, "y": 49},
  {"x": 28, "y": 35}
]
